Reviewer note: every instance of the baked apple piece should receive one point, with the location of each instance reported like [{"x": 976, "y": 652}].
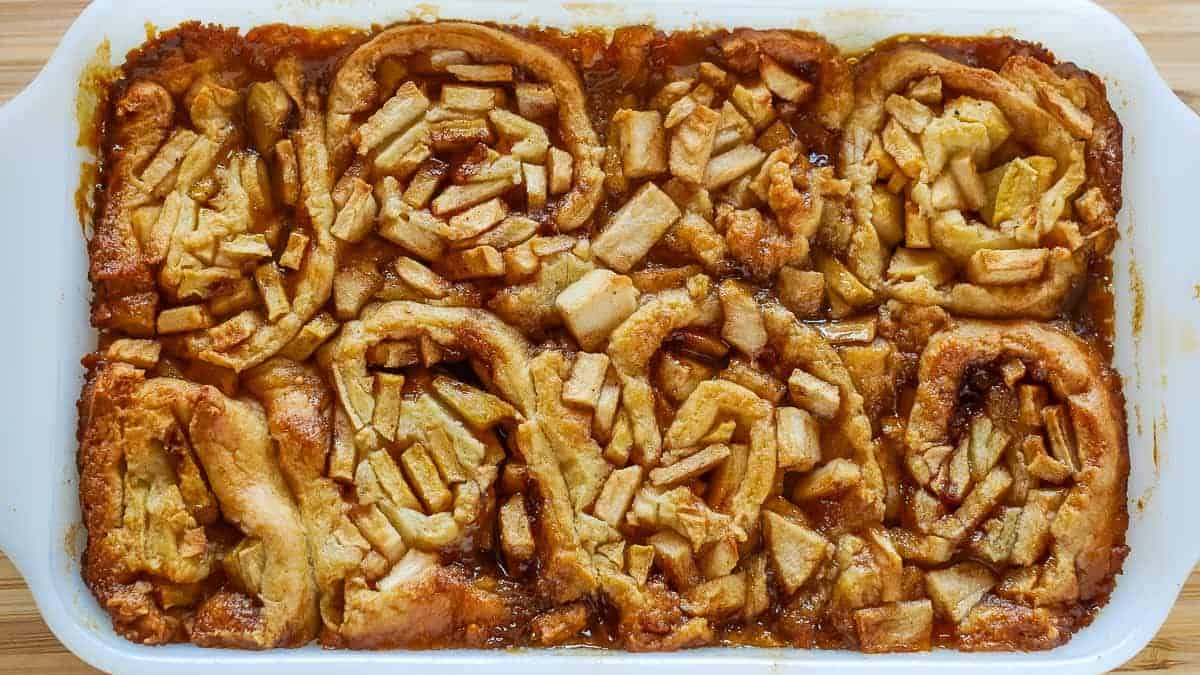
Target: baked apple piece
[{"x": 984, "y": 185}]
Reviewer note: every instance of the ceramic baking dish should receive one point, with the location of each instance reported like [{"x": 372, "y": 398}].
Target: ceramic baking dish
[{"x": 1157, "y": 284}]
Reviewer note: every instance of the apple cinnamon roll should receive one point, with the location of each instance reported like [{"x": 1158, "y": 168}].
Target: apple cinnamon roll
[
  {"x": 722, "y": 161},
  {"x": 215, "y": 231},
  {"x": 191, "y": 529},
  {"x": 1017, "y": 460},
  {"x": 985, "y": 176}
]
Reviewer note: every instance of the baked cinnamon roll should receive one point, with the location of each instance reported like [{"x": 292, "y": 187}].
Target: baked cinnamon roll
[
  {"x": 192, "y": 532},
  {"x": 213, "y": 231},
  {"x": 1016, "y": 462},
  {"x": 985, "y": 176}
]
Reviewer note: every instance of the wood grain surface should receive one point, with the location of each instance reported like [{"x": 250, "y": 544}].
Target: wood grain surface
[{"x": 29, "y": 31}]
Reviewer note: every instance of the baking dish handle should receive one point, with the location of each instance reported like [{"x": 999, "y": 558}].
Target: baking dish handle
[
  {"x": 33, "y": 195},
  {"x": 1177, "y": 311}
]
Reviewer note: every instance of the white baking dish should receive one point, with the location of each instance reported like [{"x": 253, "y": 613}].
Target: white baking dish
[{"x": 45, "y": 303}]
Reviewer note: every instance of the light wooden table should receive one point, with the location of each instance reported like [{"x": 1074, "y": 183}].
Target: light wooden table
[{"x": 29, "y": 30}]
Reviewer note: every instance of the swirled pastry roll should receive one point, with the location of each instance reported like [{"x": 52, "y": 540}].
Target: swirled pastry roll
[{"x": 984, "y": 176}]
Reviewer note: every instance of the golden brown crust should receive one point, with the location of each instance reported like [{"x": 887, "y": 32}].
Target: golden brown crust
[{"x": 396, "y": 352}]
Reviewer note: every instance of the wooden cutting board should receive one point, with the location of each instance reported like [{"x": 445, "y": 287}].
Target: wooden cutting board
[{"x": 29, "y": 31}]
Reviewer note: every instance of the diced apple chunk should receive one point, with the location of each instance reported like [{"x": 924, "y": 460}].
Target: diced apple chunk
[
  {"x": 530, "y": 142},
  {"x": 491, "y": 72},
  {"x": 802, "y": 291},
  {"x": 270, "y": 285},
  {"x": 982, "y": 499},
  {"x": 643, "y": 142},
  {"x": 635, "y": 228},
  {"x": 830, "y": 479},
  {"x": 956, "y": 590},
  {"x": 140, "y": 353},
  {"x": 474, "y": 99},
  {"x": 1033, "y": 526},
  {"x": 1007, "y": 267},
  {"x": 743, "y": 327},
  {"x": 458, "y": 135},
  {"x": 414, "y": 231},
  {"x": 535, "y": 186},
  {"x": 887, "y": 215},
  {"x": 970, "y": 185},
  {"x": 731, "y": 165},
  {"x": 692, "y": 144},
  {"x": 357, "y": 217},
  {"x": 511, "y": 232},
  {"x": 903, "y": 148},
  {"x": 476, "y": 220},
  {"x": 689, "y": 467},
  {"x": 480, "y": 262},
  {"x": 987, "y": 445},
  {"x": 895, "y": 627},
  {"x": 421, "y": 278},
  {"x": 535, "y": 101},
  {"x": 587, "y": 379},
  {"x": 312, "y": 335},
  {"x": 393, "y": 354},
  {"x": 799, "y": 439},
  {"x": 390, "y": 481},
  {"x": 673, "y": 555},
  {"x": 377, "y": 530},
  {"x": 426, "y": 481},
  {"x": 841, "y": 281},
  {"x": 459, "y": 197},
  {"x": 235, "y": 330},
  {"x": 516, "y": 536},
  {"x": 911, "y": 264},
  {"x": 617, "y": 494},
  {"x": 796, "y": 551},
  {"x": 638, "y": 560},
  {"x": 949, "y": 135},
  {"x": 814, "y": 394},
  {"x": 353, "y": 287},
  {"x": 717, "y": 597},
  {"x": 293, "y": 252},
  {"x": 397, "y": 114},
  {"x": 927, "y": 90},
  {"x": 1041, "y": 465},
  {"x": 620, "y": 440},
  {"x": 916, "y": 219},
  {"x": 732, "y": 129},
  {"x": 479, "y": 409},
  {"x": 403, "y": 154},
  {"x": 559, "y": 168},
  {"x": 1061, "y": 434},
  {"x": 849, "y": 331},
  {"x": 754, "y": 103},
  {"x": 742, "y": 371},
  {"x": 911, "y": 114},
  {"x": 782, "y": 82},
  {"x": 595, "y": 305}
]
